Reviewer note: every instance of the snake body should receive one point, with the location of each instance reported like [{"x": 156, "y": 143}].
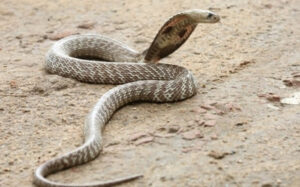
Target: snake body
[{"x": 141, "y": 79}]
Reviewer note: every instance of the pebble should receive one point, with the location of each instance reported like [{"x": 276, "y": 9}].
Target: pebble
[
  {"x": 267, "y": 184},
  {"x": 144, "y": 140},
  {"x": 272, "y": 107},
  {"x": 87, "y": 25},
  {"x": 200, "y": 122},
  {"x": 198, "y": 110},
  {"x": 241, "y": 123},
  {"x": 137, "y": 136},
  {"x": 292, "y": 82},
  {"x": 210, "y": 116},
  {"x": 206, "y": 107},
  {"x": 246, "y": 62},
  {"x": 292, "y": 100},
  {"x": 270, "y": 97},
  {"x": 219, "y": 155},
  {"x": 173, "y": 129},
  {"x": 210, "y": 123},
  {"x": 13, "y": 84},
  {"x": 60, "y": 35},
  {"x": 214, "y": 137},
  {"x": 193, "y": 134}
]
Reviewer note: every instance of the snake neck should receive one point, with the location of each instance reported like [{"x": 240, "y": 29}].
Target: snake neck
[{"x": 169, "y": 38}]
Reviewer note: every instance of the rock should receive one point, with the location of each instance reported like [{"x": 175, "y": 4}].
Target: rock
[
  {"x": 112, "y": 143},
  {"x": 293, "y": 100},
  {"x": 272, "y": 107},
  {"x": 219, "y": 155},
  {"x": 60, "y": 35},
  {"x": 206, "y": 107},
  {"x": 241, "y": 123},
  {"x": 141, "y": 40},
  {"x": 137, "y": 136},
  {"x": 270, "y": 97},
  {"x": 214, "y": 137},
  {"x": 267, "y": 184},
  {"x": 198, "y": 110},
  {"x": 144, "y": 140},
  {"x": 273, "y": 98},
  {"x": 193, "y": 134},
  {"x": 246, "y": 62},
  {"x": 162, "y": 135},
  {"x": 13, "y": 84},
  {"x": 210, "y": 123},
  {"x": 292, "y": 82},
  {"x": 87, "y": 25},
  {"x": 268, "y": 6},
  {"x": 173, "y": 129},
  {"x": 200, "y": 122}
]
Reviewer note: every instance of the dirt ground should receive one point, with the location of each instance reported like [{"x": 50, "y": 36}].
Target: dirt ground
[{"x": 237, "y": 131}]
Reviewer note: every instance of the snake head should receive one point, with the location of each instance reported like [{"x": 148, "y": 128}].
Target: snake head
[
  {"x": 202, "y": 16},
  {"x": 175, "y": 32}
]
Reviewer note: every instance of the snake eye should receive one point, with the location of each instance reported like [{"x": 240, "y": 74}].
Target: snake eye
[{"x": 209, "y": 15}]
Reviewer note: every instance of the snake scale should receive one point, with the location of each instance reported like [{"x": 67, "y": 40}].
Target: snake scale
[{"x": 98, "y": 59}]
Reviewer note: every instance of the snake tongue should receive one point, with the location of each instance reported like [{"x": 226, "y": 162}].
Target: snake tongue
[{"x": 169, "y": 38}]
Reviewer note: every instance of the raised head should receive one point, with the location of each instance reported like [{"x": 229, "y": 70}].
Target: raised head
[
  {"x": 202, "y": 16},
  {"x": 175, "y": 32}
]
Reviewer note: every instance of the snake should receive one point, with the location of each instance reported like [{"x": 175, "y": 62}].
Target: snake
[{"x": 98, "y": 59}]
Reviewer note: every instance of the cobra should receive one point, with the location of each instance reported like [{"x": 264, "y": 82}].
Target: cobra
[{"x": 138, "y": 75}]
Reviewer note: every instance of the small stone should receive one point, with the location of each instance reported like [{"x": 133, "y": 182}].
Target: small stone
[
  {"x": 161, "y": 128},
  {"x": 112, "y": 143},
  {"x": 193, "y": 134},
  {"x": 293, "y": 100},
  {"x": 292, "y": 83},
  {"x": 273, "y": 98},
  {"x": 267, "y": 184},
  {"x": 162, "y": 135},
  {"x": 219, "y": 155},
  {"x": 206, "y": 107},
  {"x": 198, "y": 110},
  {"x": 13, "y": 84},
  {"x": 216, "y": 155},
  {"x": 163, "y": 178},
  {"x": 200, "y": 122},
  {"x": 19, "y": 37},
  {"x": 141, "y": 40},
  {"x": 246, "y": 62},
  {"x": 6, "y": 170},
  {"x": 214, "y": 137},
  {"x": 137, "y": 136},
  {"x": 210, "y": 123},
  {"x": 272, "y": 107},
  {"x": 270, "y": 97},
  {"x": 144, "y": 140},
  {"x": 210, "y": 116},
  {"x": 173, "y": 129},
  {"x": 87, "y": 25},
  {"x": 287, "y": 83},
  {"x": 60, "y": 35},
  {"x": 241, "y": 123},
  {"x": 268, "y": 6}
]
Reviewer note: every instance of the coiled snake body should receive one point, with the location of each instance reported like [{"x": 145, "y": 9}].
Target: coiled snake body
[{"x": 141, "y": 77}]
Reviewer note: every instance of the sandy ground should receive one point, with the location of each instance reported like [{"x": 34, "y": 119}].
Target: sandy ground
[{"x": 235, "y": 132}]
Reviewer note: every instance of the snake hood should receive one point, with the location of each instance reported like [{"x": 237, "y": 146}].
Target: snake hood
[{"x": 175, "y": 32}]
